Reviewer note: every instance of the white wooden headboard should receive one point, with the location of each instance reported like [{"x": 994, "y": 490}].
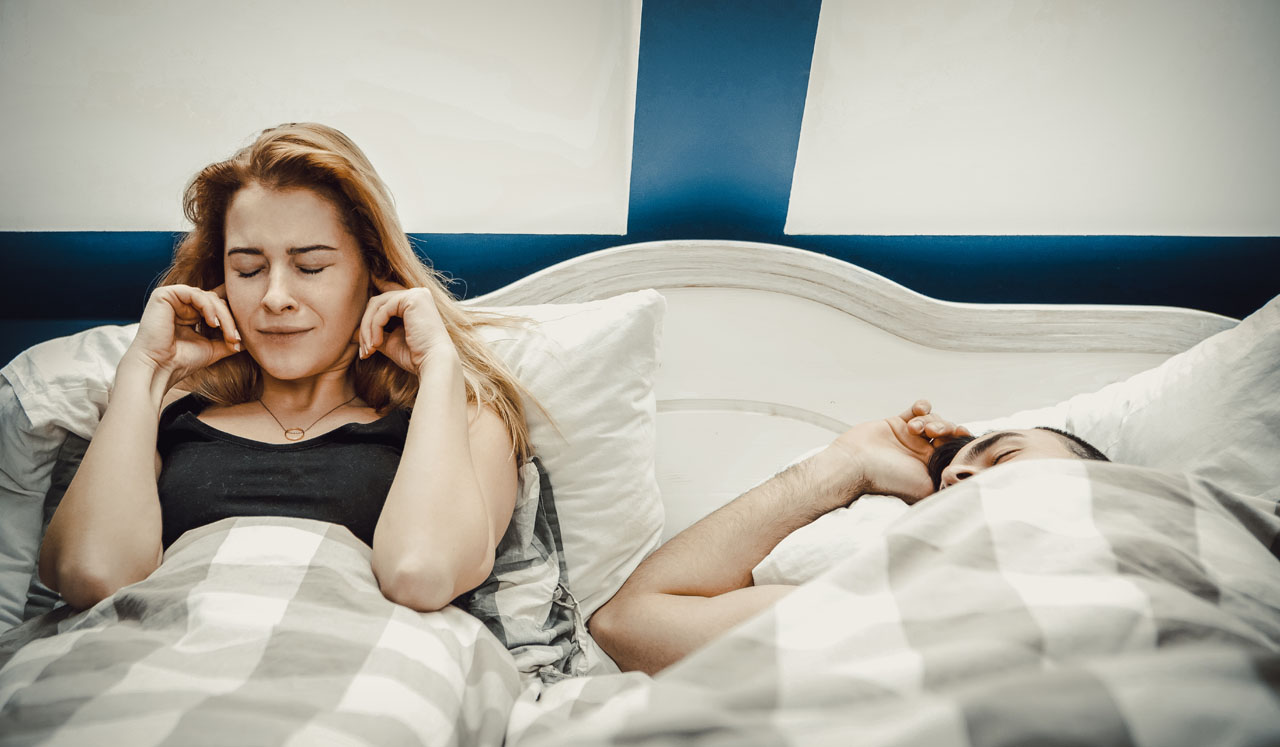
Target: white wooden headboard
[{"x": 769, "y": 352}]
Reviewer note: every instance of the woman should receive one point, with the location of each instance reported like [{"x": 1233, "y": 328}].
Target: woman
[{"x": 331, "y": 375}]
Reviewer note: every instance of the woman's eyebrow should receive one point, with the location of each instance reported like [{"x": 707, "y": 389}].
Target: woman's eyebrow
[{"x": 294, "y": 251}]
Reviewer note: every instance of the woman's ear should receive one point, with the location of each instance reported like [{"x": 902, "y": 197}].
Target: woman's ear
[{"x": 385, "y": 286}]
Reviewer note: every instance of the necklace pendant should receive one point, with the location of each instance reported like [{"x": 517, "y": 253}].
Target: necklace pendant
[{"x": 294, "y": 434}]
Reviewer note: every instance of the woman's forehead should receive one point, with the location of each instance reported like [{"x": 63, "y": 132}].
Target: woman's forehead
[{"x": 288, "y": 220}]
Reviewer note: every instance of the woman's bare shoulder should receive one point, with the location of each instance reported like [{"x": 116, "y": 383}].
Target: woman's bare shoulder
[{"x": 173, "y": 395}]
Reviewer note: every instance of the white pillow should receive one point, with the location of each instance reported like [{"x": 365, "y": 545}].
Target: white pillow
[
  {"x": 76, "y": 371},
  {"x": 591, "y": 366},
  {"x": 814, "y": 548},
  {"x": 1213, "y": 410},
  {"x": 26, "y": 462}
]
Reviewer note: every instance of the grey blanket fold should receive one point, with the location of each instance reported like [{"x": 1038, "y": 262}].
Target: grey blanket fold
[{"x": 1054, "y": 602}]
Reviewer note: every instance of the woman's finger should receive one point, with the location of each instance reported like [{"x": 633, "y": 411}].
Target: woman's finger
[
  {"x": 208, "y": 304},
  {"x": 366, "y": 324},
  {"x": 362, "y": 329},
  {"x": 184, "y": 314},
  {"x": 230, "y": 332},
  {"x": 189, "y": 306},
  {"x": 383, "y": 316},
  {"x": 386, "y": 285}
]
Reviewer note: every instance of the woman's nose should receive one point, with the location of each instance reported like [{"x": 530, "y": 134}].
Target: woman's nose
[{"x": 278, "y": 297}]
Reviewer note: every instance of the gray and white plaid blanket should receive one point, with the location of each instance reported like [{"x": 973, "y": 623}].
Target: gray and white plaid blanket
[
  {"x": 1053, "y": 602},
  {"x": 256, "y": 631},
  {"x": 277, "y": 627}
]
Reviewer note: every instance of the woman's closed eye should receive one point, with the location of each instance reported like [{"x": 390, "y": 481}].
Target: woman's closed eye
[
  {"x": 1003, "y": 455},
  {"x": 304, "y": 270}
]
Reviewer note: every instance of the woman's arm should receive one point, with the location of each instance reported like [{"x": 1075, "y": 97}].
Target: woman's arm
[
  {"x": 455, "y": 488},
  {"x": 452, "y": 497},
  {"x": 106, "y": 532}
]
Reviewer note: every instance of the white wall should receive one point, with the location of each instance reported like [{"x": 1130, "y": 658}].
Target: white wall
[
  {"x": 923, "y": 116},
  {"x": 1143, "y": 117},
  {"x": 490, "y": 117}
]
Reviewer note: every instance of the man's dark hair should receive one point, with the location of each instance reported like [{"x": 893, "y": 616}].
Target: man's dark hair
[
  {"x": 944, "y": 454},
  {"x": 942, "y": 457}
]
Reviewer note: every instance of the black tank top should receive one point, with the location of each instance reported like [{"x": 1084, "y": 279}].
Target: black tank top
[{"x": 342, "y": 476}]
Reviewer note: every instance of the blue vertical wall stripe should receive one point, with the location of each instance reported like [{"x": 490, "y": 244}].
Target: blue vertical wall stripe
[
  {"x": 720, "y": 96},
  {"x": 719, "y": 101}
]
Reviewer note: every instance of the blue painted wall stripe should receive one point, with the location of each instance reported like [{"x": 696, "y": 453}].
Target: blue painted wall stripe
[
  {"x": 107, "y": 275},
  {"x": 720, "y": 96}
]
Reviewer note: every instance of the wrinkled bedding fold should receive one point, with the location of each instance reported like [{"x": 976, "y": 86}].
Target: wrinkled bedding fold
[
  {"x": 1050, "y": 602},
  {"x": 1053, "y": 602},
  {"x": 257, "y": 631}
]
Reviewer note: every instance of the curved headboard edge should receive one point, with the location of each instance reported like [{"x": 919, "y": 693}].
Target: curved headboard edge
[{"x": 873, "y": 298}]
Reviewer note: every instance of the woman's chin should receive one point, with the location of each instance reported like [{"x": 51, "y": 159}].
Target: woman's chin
[{"x": 289, "y": 368}]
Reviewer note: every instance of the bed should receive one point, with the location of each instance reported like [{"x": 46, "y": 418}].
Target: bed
[{"x": 1128, "y": 603}]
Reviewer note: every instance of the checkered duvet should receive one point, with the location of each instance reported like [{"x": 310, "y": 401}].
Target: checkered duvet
[
  {"x": 257, "y": 631},
  {"x": 1044, "y": 603},
  {"x": 1048, "y": 603}
]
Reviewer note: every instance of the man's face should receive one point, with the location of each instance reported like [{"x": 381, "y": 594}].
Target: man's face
[{"x": 1003, "y": 447}]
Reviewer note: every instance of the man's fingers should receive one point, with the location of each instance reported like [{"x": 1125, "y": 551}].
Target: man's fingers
[
  {"x": 926, "y": 425},
  {"x": 917, "y": 443},
  {"x": 920, "y": 420},
  {"x": 918, "y": 408},
  {"x": 933, "y": 426}
]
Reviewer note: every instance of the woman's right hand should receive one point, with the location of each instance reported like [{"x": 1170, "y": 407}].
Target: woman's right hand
[{"x": 167, "y": 338}]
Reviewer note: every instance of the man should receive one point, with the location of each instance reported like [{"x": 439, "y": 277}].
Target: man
[{"x": 699, "y": 585}]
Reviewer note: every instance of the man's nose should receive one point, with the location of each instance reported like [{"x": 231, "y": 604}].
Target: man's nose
[{"x": 955, "y": 473}]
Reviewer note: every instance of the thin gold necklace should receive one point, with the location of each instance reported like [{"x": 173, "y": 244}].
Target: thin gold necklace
[{"x": 296, "y": 434}]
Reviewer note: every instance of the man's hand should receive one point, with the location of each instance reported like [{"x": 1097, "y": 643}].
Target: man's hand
[
  {"x": 699, "y": 585},
  {"x": 891, "y": 454}
]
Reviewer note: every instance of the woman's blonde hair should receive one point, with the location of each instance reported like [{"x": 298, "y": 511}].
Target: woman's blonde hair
[{"x": 322, "y": 159}]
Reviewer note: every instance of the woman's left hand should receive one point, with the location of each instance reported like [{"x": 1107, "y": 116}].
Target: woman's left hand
[{"x": 420, "y": 335}]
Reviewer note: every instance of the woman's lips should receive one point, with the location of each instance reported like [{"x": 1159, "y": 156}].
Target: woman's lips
[{"x": 283, "y": 335}]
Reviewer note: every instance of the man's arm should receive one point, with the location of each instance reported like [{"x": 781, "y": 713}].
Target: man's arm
[{"x": 698, "y": 585}]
